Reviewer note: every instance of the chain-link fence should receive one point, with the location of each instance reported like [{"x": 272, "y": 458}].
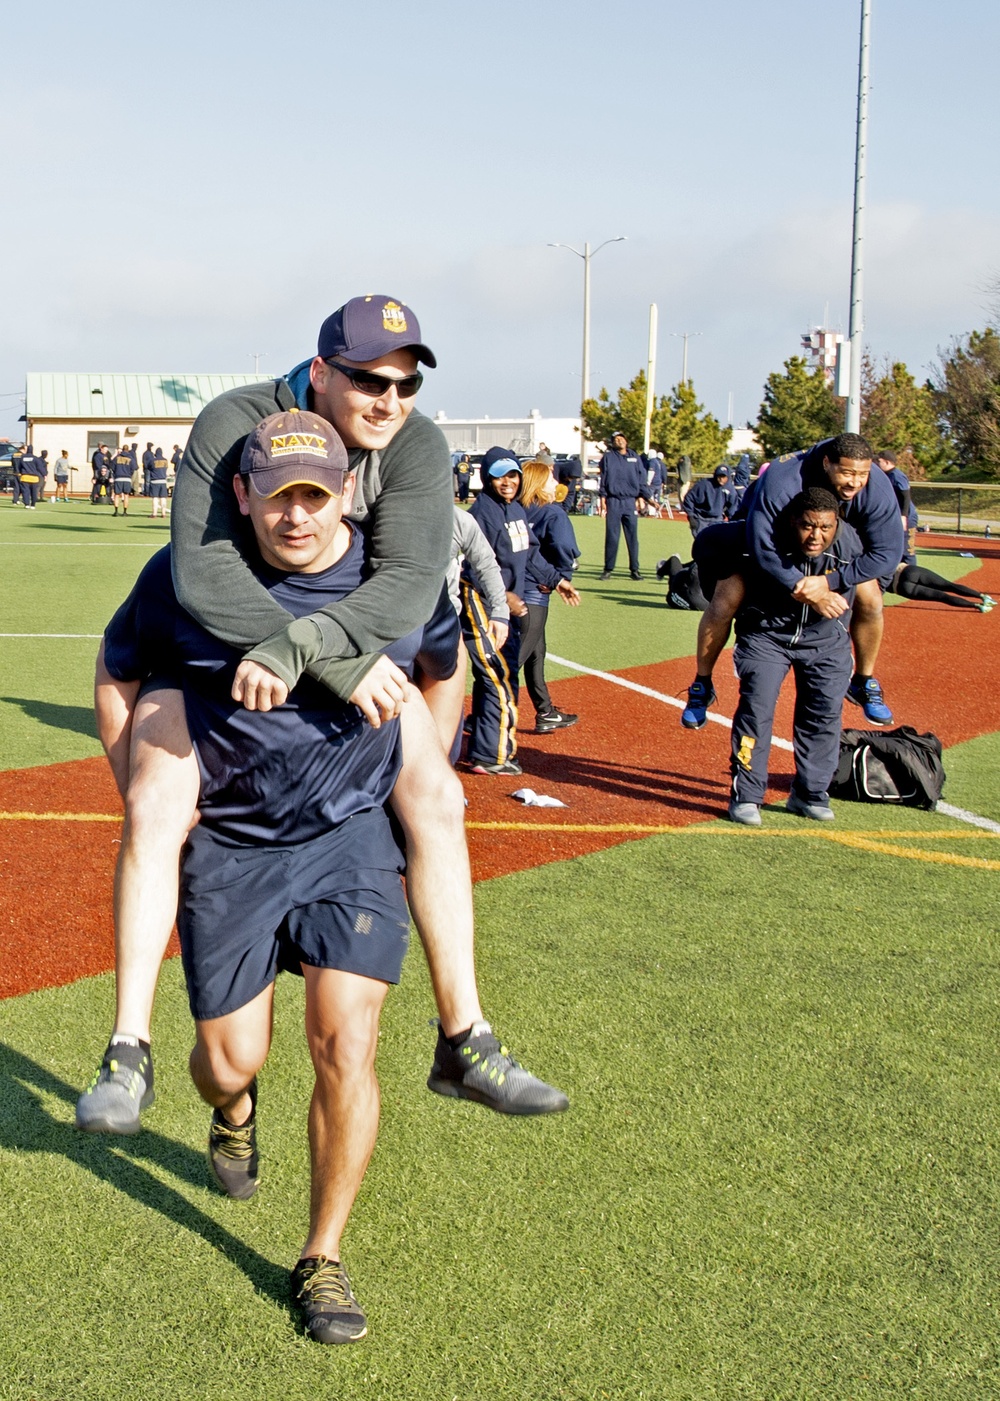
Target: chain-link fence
[{"x": 958, "y": 510}]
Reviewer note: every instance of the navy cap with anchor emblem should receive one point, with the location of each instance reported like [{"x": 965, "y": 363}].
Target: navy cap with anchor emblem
[{"x": 366, "y": 328}]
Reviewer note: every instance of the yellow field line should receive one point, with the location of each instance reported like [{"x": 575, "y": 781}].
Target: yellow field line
[
  {"x": 723, "y": 831},
  {"x": 911, "y": 853},
  {"x": 880, "y": 842},
  {"x": 650, "y": 829}
]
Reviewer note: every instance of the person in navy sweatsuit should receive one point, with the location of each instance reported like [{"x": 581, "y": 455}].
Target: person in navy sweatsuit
[
  {"x": 501, "y": 518},
  {"x": 777, "y": 633},
  {"x": 711, "y": 500},
  {"x": 623, "y": 482},
  {"x": 886, "y": 459}
]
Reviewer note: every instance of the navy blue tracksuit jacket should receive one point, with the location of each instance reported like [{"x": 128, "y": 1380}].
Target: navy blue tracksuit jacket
[{"x": 873, "y": 513}]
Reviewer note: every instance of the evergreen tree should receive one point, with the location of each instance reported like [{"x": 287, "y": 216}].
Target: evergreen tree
[
  {"x": 898, "y": 413},
  {"x": 679, "y": 424},
  {"x": 799, "y": 409},
  {"x": 967, "y": 395}
]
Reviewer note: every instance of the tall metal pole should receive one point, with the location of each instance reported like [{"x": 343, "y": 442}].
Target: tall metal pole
[
  {"x": 586, "y": 255},
  {"x": 857, "y": 327},
  {"x": 585, "y": 381},
  {"x": 650, "y": 375},
  {"x": 685, "y": 336}
]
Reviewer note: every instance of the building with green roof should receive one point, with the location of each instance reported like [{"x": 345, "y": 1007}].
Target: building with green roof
[{"x": 79, "y": 411}]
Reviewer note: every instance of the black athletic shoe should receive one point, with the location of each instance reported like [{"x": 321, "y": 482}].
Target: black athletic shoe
[
  {"x": 122, "y": 1087},
  {"x": 553, "y": 720},
  {"x": 232, "y": 1151},
  {"x": 330, "y": 1312},
  {"x": 483, "y": 1070},
  {"x": 509, "y": 768},
  {"x": 634, "y": 574},
  {"x": 607, "y": 574}
]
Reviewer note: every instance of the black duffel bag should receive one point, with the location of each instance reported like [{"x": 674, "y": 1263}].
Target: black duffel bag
[{"x": 897, "y": 766}]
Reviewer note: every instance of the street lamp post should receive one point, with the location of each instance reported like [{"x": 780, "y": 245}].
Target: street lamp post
[
  {"x": 686, "y": 336},
  {"x": 857, "y": 328},
  {"x": 586, "y": 255}
]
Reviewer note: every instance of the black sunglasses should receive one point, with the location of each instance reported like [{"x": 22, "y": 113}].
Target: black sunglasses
[{"x": 377, "y": 385}]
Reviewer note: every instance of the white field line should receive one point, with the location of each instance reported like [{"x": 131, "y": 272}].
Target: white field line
[
  {"x": 960, "y": 814},
  {"x": 675, "y": 701},
  {"x": 963, "y": 815},
  {"x": 84, "y": 544}
]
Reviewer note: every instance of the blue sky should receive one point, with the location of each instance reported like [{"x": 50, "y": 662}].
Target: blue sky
[{"x": 186, "y": 185}]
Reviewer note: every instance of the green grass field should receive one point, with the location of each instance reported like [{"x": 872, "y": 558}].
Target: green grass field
[{"x": 778, "y": 1177}]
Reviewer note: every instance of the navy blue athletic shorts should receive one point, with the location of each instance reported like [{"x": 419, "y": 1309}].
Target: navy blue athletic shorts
[
  {"x": 122, "y": 486},
  {"x": 157, "y": 489},
  {"x": 720, "y": 551},
  {"x": 247, "y": 912},
  {"x": 438, "y": 654}
]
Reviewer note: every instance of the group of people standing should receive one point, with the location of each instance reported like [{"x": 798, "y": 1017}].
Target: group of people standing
[
  {"x": 30, "y": 471},
  {"x": 115, "y": 476}
]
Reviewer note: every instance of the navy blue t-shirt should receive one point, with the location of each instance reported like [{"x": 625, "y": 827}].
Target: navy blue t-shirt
[{"x": 285, "y": 775}]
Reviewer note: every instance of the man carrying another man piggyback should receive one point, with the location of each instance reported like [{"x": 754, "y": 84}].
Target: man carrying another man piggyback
[{"x": 322, "y": 611}]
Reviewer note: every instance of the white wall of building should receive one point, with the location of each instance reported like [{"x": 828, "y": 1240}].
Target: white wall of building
[
  {"x": 73, "y": 437},
  {"x": 522, "y": 435}
]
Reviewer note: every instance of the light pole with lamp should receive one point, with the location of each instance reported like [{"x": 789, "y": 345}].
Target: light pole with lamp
[
  {"x": 586, "y": 255},
  {"x": 686, "y": 336}
]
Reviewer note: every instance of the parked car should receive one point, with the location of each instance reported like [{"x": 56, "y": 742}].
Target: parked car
[{"x": 7, "y": 451}]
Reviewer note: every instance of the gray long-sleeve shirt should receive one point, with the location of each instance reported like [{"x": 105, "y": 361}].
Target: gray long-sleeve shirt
[
  {"x": 468, "y": 541},
  {"x": 404, "y": 493}
]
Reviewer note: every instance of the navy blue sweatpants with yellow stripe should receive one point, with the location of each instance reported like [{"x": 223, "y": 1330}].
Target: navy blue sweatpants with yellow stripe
[
  {"x": 493, "y": 732},
  {"x": 822, "y": 671}
]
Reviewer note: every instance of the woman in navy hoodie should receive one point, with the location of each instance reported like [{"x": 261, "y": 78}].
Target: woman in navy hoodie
[
  {"x": 557, "y": 546},
  {"x": 493, "y": 723}
]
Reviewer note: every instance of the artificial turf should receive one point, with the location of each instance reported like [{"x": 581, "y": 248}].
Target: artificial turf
[{"x": 777, "y": 1178}]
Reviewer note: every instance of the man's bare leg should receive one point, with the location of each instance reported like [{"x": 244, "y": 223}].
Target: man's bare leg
[
  {"x": 716, "y": 622},
  {"x": 469, "y": 1062},
  {"x": 714, "y": 628},
  {"x": 446, "y": 699},
  {"x": 160, "y": 798},
  {"x": 342, "y": 1014},
  {"x": 430, "y": 805},
  {"x": 160, "y": 807},
  {"x": 227, "y": 1054}
]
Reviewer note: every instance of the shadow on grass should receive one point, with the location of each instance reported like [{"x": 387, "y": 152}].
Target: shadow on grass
[
  {"x": 78, "y": 719},
  {"x": 679, "y": 791},
  {"x": 27, "y": 1127}
]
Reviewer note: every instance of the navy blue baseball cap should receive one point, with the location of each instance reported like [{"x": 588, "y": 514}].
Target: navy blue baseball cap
[
  {"x": 294, "y": 449},
  {"x": 366, "y": 328},
  {"x": 497, "y": 462}
]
